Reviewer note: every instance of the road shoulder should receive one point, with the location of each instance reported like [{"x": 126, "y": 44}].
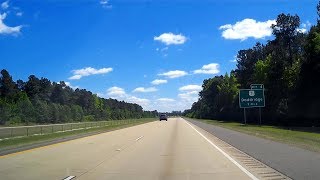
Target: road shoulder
[
  {"x": 251, "y": 166},
  {"x": 292, "y": 161}
]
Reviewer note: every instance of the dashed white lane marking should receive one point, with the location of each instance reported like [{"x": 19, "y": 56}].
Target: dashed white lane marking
[
  {"x": 139, "y": 138},
  {"x": 225, "y": 154},
  {"x": 69, "y": 177}
]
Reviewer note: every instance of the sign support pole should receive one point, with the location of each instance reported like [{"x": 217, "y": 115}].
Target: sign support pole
[
  {"x": 245, "y": 117},
  {"x": 260, "y": 115}
]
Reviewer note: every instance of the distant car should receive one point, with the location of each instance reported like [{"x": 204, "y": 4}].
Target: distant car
[{"x": 163, "y": 117}]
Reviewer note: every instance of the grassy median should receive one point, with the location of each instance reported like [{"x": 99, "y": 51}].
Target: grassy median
[
  {"x": 306, "y": 138},
  {"x": 27, "y": 140}
]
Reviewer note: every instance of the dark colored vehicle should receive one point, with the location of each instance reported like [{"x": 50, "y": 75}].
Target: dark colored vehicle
[{"x": 163, "y": 117}]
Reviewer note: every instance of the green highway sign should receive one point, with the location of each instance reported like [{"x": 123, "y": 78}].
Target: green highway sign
[
  {"x": 249, "y": 98},
  {"x": 256, "y": 86}
]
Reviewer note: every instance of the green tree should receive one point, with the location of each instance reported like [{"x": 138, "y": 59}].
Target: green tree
[
  {"x": 261, "y": 69},
  {"x": 8, "y": 88},
  {"x": 228, "y": 90},
  {"x": 307, "y": 99}
]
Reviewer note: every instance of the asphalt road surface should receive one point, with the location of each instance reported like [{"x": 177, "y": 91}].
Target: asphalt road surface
[
  {"x": 173, "y": 149},
  {"x": 292, "y": 161}
]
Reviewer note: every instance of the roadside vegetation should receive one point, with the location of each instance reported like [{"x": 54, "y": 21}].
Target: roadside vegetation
[
  {"x": 306, "y": 138},
  {"x": 289, "y": 68},
  {"x": 34, "y": 139},
  {"x": 40, "y": 101}
]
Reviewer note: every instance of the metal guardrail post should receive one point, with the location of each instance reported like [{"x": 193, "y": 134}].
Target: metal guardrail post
[
  {"x": 51, "y": 129},
  {"x": 27, "y": 131},
  {"x": 41, "y": 130},
  {"x": 62, "y": 128},
  {"x": 11, "y": 133}
]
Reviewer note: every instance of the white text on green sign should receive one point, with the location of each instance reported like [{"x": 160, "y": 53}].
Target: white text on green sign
[{"x": 249, "y": 98}]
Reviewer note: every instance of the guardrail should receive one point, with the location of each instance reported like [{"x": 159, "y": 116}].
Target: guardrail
[{"x": 20, "y": 131}]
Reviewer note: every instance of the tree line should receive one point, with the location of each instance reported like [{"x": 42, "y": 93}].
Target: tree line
[
  {"x": 42, "y": 101},
  {"x": 289, "y": 68}
]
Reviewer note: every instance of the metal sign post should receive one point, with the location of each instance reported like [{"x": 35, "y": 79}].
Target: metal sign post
[
  {"x": 245, "y": 116},
  {"x": 258, "y": 86},
  {"x": 260, "y": 115}
]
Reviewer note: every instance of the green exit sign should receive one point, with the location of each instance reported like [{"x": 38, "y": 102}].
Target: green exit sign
[
  {"x": 249, "y": 98},
  {"x": 257, "y": 86}
]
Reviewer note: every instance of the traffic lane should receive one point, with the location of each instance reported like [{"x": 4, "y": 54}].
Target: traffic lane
[
  {"x": 175, "y": 152},
  {"x": 294, "y": 162},
  {"x": 72, "y": 157}
]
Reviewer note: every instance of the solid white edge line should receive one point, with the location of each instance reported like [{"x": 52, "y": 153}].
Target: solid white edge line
[
  {"x": 224, "y": 153},
  {"x": 69, "y": 177}
]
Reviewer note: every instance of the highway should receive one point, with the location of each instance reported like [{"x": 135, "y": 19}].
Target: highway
[{"x": 173, "y": 149}]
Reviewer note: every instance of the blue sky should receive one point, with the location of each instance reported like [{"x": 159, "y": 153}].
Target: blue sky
[{"x": 117, "y": 48}]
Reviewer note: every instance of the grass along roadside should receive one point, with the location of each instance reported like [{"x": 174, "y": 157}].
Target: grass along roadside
[
  {"x": 29, "y": 140},
  {"x": 302, "y": 139}
]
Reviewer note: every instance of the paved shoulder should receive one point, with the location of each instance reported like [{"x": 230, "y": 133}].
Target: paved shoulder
[{"x": 295, "y": 162}]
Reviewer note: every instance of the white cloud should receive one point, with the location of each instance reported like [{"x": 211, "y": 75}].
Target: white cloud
[
  {"x": 105, "y": 4},
  {"x": 120, "y": 94},
  {"x": 184, "y": 99},
  {"x": 173, "y": 74},
  {"x": 304, "y": 27},
  {"x": 79, "y": 73},
  {"x": 190, "y": 96},
  {"x": 116, "y": 92},
  {"x": 145, "y": 90},
  {"x": 164, "y": 49},
  {"x": 212, "y": 68},
  {"x": 165, "y": 105},
  {"x": 69, "y": 84},
  {"x": 234, "y": 59},
  {"x": 141, "y": 101},
  {"x": 170, "y": 38},
  {"x": 302, "y": 30},
  {"x": 19, "y": 14},
  {"x": 247, "y": 28},
  {"x": 159, "y": 81},
  {"x": 90, "y": 71},
  {"x": 74, "y": 77},
  {"x": 190, "y": 87},
  {"x": 165, "y": 100},
  {"x": 5, "y": 5},
  {"x": 4, "y": 29}
]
